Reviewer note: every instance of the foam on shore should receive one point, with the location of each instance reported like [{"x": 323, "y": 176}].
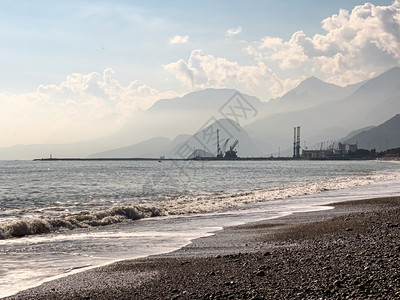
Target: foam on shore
[{"x": 182, "y": 205}]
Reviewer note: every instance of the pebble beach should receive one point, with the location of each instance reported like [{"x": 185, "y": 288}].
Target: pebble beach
[{"x": 349, "y": 252}]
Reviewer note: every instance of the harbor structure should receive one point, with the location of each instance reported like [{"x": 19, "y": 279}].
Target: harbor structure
[
  {"x": 331, "y": 151},
  {"x": 296, "y": 142},
  {"x": 226, "y": 154}
]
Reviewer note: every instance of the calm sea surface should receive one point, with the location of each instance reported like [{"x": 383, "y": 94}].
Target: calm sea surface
[{"x": 57, "y": 217}]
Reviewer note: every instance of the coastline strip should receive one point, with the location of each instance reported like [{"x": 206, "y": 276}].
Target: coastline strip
[{"x": 350, "y": 251}]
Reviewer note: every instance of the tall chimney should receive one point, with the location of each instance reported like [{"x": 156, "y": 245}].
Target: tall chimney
[
  {"x": 294, "y": 143},
  {"x": 298, "y": 143}
]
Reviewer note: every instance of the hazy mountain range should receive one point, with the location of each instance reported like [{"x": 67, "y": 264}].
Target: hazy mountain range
[
  {"x": 324, "y": 111},
  {"x": 372, "y": 103},
  {"x": 382, "y": 137},
  {"x": 309, "y": 93}
]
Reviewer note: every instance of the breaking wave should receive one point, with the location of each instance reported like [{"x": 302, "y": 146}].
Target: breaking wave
[
  {"x": 181, "y": 205},
  {"x": 32, "y": 226}
]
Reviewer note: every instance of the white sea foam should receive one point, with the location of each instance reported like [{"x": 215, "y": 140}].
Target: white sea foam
[
  {"x": 205, "y": 204},
  {"x": 182, "y": 205},
  {"x": 32, "y": 240}
]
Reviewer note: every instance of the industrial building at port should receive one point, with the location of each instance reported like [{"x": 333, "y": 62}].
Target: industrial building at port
[
  {"x": 326, "y": 150},
  {"x": 331, "y": 151}
]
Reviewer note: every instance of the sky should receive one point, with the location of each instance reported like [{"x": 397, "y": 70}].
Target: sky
[{"x": 84, "y": 68}]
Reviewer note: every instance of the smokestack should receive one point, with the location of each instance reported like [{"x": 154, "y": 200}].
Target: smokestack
[
  {"x": 298, "y": 134},
  {"x": 296, "y": 142},
  {"x": 218, "y": 149}
]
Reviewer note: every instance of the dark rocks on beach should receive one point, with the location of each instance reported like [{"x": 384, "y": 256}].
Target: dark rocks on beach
[
  {"x": 350, "y": 253},
  {"x": 260, "y": 273}
]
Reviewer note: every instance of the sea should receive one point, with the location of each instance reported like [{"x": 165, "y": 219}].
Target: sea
[{"x": 62, "y": 217}]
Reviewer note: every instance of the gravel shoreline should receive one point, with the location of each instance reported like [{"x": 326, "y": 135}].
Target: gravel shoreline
[{"x": 351, "y": 251}]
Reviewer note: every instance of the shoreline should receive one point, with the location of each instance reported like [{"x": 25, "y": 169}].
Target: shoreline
[
  {"x": 261, "y": 158},
  {"x": 328, "y": 250}
]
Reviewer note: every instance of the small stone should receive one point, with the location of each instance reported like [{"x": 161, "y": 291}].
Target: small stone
[
  {"x": 260, "y": 273},
  {"x": 337, "y": 283}
]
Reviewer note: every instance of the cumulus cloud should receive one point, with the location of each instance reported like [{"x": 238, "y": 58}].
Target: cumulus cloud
[
  {"x": 356, "y": 45},
  {"x": 99, "y": 95},
  {"x": 204, "y": 70},
  {"x": 94, "y": 102},
  {"x": 207, "y": 71},
  {"x": 179, "y": 39},
  {"x": 233, "y": 31}
]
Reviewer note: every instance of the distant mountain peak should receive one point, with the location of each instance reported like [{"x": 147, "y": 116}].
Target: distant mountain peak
[
  {"x": 311, "y": 79},
  {"x": 314, "y": 82},
  {"x": 312, "y": 91}
]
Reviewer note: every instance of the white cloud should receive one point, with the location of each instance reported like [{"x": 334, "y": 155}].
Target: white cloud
[
  {"x": 204, "y": 71},
  {"x": 95, "y": 103},
  {"x": 233, "y": 31},
  {"x": 179, "y": 39},
  {"x": 99, "y": 95},
  {"x": 207, "y": 71},
  {"x": 356, "y": 45}
]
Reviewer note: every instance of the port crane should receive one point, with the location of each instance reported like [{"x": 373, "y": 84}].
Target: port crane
[
  {"x": 231, "y": 153},
  {"x": 224, "y": 147},
  {"x": 222, "y": 153}
]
